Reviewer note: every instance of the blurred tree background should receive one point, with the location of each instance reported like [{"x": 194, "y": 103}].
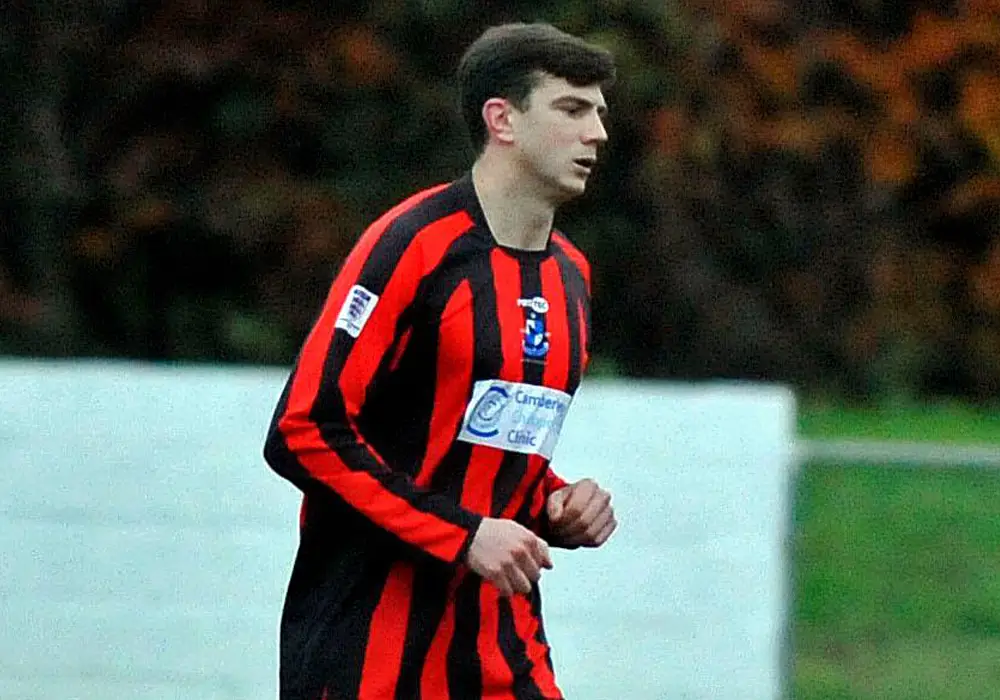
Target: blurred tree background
[{"x": 795, "y": 191}]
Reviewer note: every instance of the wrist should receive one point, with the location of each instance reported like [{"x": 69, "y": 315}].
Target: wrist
[{"x": 462, "y": 557}]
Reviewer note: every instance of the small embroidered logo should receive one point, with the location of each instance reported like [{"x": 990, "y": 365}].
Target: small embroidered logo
[
  {"x": 536, "y": 336},
  {"x": 356, "y": 310}
]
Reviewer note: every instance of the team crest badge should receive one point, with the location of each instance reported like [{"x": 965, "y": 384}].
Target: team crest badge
[{"x": 536, "y": 335}]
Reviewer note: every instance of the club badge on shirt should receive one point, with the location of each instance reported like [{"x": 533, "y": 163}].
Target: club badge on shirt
[{"x": 536, "y": 335}]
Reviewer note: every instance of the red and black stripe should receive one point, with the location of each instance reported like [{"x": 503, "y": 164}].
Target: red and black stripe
[{"x": 379, "y": 604}]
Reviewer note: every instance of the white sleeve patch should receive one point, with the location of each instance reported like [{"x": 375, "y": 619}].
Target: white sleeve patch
[{"x": 356, "y": 309}]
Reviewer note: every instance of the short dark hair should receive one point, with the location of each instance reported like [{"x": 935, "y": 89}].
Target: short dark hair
[{"x": 508, "y": 60}]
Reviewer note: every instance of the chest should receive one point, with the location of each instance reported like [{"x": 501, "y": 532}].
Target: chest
[{"x": 496, "y": 315}]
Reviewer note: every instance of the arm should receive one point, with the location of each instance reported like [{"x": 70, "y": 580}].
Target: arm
[
  {"x": 313, "y": 439},
  {"x": 547, "y": 485},
  {"x": 579, "y": 515}
]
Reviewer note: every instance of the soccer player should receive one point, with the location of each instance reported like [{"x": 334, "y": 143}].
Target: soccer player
[{"x": 424, "y": 407}]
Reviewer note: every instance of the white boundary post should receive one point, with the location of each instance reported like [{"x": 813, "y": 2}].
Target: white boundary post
[{"x": 899, "y": 453}]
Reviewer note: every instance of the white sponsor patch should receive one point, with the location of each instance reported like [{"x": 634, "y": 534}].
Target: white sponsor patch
[
  {"x": 537, "y": 304},
  {"x": 513, "y": 416},
  {"x": 356, "y": 309}
]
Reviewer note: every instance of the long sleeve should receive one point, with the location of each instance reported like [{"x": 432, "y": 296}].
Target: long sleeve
[
  {"x": 314, "y": 439},
  {"x": 547, "y": 485}
]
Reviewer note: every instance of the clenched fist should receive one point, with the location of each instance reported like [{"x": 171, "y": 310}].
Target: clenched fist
[
  {"x": 580, "y": 515},
  {"x": 508, "y": 554}
]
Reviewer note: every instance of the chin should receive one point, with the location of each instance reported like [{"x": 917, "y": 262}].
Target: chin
[
  {"x": 572, "y": 189},
  {"x": 560, "y": 190}
]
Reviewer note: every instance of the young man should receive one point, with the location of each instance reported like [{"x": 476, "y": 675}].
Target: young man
[{"x": 426, "y": 402}]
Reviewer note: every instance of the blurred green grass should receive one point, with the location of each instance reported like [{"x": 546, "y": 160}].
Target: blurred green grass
[
  {"x": 938, "y": 423},
  {"x": 896, "y": 592}
]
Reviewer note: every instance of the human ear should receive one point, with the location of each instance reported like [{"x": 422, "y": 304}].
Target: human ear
[{"x": 496, "y": 115}]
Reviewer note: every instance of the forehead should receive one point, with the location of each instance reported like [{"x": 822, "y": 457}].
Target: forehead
[{"x": 552, "y": 89}]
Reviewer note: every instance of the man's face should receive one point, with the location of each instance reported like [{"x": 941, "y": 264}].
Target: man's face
[{"x": 558, "y": 134}]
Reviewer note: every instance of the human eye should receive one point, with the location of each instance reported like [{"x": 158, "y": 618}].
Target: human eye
[{"x": 575, "y": 109}]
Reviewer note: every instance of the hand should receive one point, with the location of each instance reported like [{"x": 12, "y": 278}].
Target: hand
[
  {"x": 508, "y": 554},
  {"x": 580, "y": 515}
]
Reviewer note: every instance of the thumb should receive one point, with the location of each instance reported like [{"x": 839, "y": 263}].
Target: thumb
[{"x": 555, "y": 504}]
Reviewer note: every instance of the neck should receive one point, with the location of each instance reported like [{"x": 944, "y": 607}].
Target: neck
[{"x": 517, "y": 215}]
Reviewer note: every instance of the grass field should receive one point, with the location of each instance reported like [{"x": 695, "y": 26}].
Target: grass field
[
  {"x": 897, "y": 570},
  {"x": 950, "y": 423}
]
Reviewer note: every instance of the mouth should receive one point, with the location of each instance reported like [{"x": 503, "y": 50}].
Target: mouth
[{"x": 586, "y": 162}]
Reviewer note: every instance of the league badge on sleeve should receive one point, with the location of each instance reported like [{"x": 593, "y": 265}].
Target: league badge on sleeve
[
  {"x": 536, "y": 336},
  {"x": 356, "y": 310}
]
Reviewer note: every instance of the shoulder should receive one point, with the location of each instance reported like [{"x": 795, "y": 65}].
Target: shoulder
[
  {"x": 440, "y": 208},
  {"x": 571, "y": 254},
  {"x": 408, "y": 214},
  {"x": 414, "y": 234}
]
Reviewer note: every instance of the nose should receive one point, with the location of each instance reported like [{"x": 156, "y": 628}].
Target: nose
[{"x": 596, "y": 133}]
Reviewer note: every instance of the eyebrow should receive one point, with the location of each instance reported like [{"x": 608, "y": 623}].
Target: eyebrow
[{"x": 602, "y": 109}]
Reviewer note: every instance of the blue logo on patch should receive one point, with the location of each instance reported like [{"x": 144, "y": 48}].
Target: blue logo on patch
[
  {"x": 358, "y": 303},
  {"x": 487, "y": 412},
  {"x": 536, "y": 336}
]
